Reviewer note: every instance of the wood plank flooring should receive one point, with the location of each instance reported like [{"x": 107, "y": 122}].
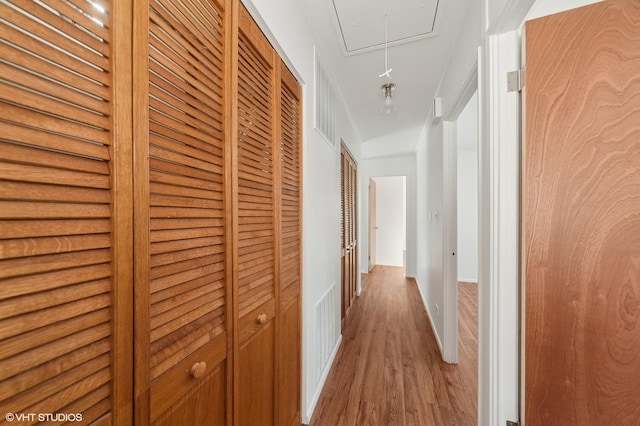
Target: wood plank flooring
[{"x": 388, "y": 370}]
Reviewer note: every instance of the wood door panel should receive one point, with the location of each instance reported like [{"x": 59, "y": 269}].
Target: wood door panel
[
  {"x": 289, "y": 365},
  {"x": 581, "y": 226},
  {"x": 182, "y": 285},
  {"x": 256, "y": 379},
  {"x": 168, "y": 391},
  {"x": 349, "y": 262},
  {"x": 203, "y": 405},
  {"x": 65, "y": 270}
]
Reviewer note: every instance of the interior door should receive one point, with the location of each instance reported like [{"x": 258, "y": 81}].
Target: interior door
[
  {"x": 349, "y": 261},
  {"x": 289, "y": 326},
  {"x": 372, "y": 224},
  {"x": 581, "y": 216},
  {"x": 254, "y": 212},
  {"x": 181, "y": 231},
  {"x": 65, "y": 208}
]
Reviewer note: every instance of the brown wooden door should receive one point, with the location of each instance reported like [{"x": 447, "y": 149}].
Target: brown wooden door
[
  {"x": 290, "y": 270},
  {"x": 581, "y": 216},
  {"x": 348, "y": 171},
  {"x": 372, "y": 224},
  {"x": 181, "y": 239},
  {"x": 255, "y": 214},
  {"x": 65, "y": 221}
]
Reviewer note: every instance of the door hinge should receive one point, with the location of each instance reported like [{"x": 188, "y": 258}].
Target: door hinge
[
  {"x": 515, "y": 80},
  {"x": 510, "y": 423}
]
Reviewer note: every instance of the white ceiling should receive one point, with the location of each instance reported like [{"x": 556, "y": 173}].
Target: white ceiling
[
  {"x": 361, "y": 23},
  {"x": 418, "y": 65}
]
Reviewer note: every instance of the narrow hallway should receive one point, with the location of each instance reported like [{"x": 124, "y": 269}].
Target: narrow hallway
[{"x": 388, "y": 370}]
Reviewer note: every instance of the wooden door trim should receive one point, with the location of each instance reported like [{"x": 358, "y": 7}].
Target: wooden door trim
[
  {"x": 142, "y": 376},
  {"x": 122, "y": 205},
  {"x": 230, "y": 164}
]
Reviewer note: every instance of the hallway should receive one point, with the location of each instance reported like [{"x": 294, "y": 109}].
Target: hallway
[{"x": 388, "y": 370}]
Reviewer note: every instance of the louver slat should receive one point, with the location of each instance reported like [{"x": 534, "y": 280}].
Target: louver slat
[{"x": 56, "y": 183}]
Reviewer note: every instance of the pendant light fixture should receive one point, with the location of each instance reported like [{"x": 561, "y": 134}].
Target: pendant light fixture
[{"x": 388, "y": 107}]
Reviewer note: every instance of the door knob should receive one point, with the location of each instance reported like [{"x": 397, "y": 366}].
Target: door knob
[
  {"x": 262, "y": 318},
  {"x": 198, "y": 369}
]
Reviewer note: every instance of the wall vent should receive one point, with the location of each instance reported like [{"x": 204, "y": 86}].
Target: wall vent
[
  {"x": 326, "y": 329},
  {"x": 325, "y": 104}
]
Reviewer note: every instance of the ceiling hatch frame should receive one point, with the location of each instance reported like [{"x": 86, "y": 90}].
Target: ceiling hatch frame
[{"x": 346, "y": 51}]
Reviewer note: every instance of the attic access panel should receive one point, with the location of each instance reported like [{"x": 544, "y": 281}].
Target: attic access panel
[{"x": 361, "y": 23}]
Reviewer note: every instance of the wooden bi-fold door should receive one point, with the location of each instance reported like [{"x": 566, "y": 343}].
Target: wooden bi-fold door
[
  {"x": 290, "y": 270},
  {"x": 181, "y": 211},
  {"x": 267, "y": 232},
  {"x": 349, "y": 259},
  {"x": 581, "y": 216},
  {"x": 150, "y": 196},
  {"x": 65, "y": 212}
]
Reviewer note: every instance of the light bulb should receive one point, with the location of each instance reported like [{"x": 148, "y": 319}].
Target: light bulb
[{"x": 387, "y": 101}]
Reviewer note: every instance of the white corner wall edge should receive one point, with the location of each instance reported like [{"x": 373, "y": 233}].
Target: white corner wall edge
[
  {"x": 306, "y": 418},
  {"x": 431, "y": 323}
]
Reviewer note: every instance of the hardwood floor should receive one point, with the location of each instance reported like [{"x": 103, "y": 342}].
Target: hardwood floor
[{"x": 388, "y": 370}]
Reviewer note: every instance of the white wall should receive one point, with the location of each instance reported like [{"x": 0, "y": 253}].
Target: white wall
[
  {"x": 391, "y": 220},
  {"x": 467, "y": 138},
  {"x": 422, "y": 214},
  {"x": 429, "y": 160},
  {"x": 390, "y": 166},
  {"x": 548, "y": 7},
  {"x": 284, "y": 23}
]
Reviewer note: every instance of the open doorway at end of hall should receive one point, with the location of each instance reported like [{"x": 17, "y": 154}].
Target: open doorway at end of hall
[{"x": 387, "y": 221}]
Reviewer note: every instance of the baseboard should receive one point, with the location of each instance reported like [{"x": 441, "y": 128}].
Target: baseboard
[
  {"x": 316, "y": 396},
  {"x": 468, "y": 280},
  {"x": 433, "y": 328}
]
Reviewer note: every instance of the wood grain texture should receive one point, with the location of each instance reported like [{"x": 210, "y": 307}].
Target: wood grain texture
[
  {"x": 62, "y": 221},
  {"x": 581, "y": 216},
  {"x": 288, "y": 346},
  {"x": 256, "y": 175},
  {"x": 181, "y": 290},
  {"x": 388, "y": 370}
]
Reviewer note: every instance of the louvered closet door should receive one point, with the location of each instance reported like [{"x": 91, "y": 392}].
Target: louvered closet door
[
  {"x": 255, "y": 219},
  {"x": 59, "y": 212},
  {"x": 181, "y": 223},
  {"x": 349, "y": 226},
  {"x": 290, "y": 255}
]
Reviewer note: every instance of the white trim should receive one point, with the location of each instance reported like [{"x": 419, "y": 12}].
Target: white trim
[
  {"x": 342, "y": 42},
  {"x": 468, "y": 280},
  {"x": 450, "y": 218},
  {"x": 450, "y": 244},
  {"x": 499, "y": 173},
  {"x": 465, "y": 94},
  {"x": 324, "y": 102},
  {"x": 512, "y": 16},
  {"x": 306, "y": 418}
]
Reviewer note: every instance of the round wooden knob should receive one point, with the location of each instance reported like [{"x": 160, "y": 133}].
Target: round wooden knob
[
  {"x": 262, "y": 318},
  {"x": 198, "y": 369}
]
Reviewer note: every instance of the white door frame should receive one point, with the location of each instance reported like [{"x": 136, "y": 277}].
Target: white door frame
[
  {"x": 499, "y": 179},
  {"x": 450, "y": 218}
]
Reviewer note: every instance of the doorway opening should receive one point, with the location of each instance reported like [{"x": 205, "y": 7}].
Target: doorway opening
[
  {"x": 461, "y": 233},
  {"x": 388, "y": 221},
  {"x": 467, "y": 255}
]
